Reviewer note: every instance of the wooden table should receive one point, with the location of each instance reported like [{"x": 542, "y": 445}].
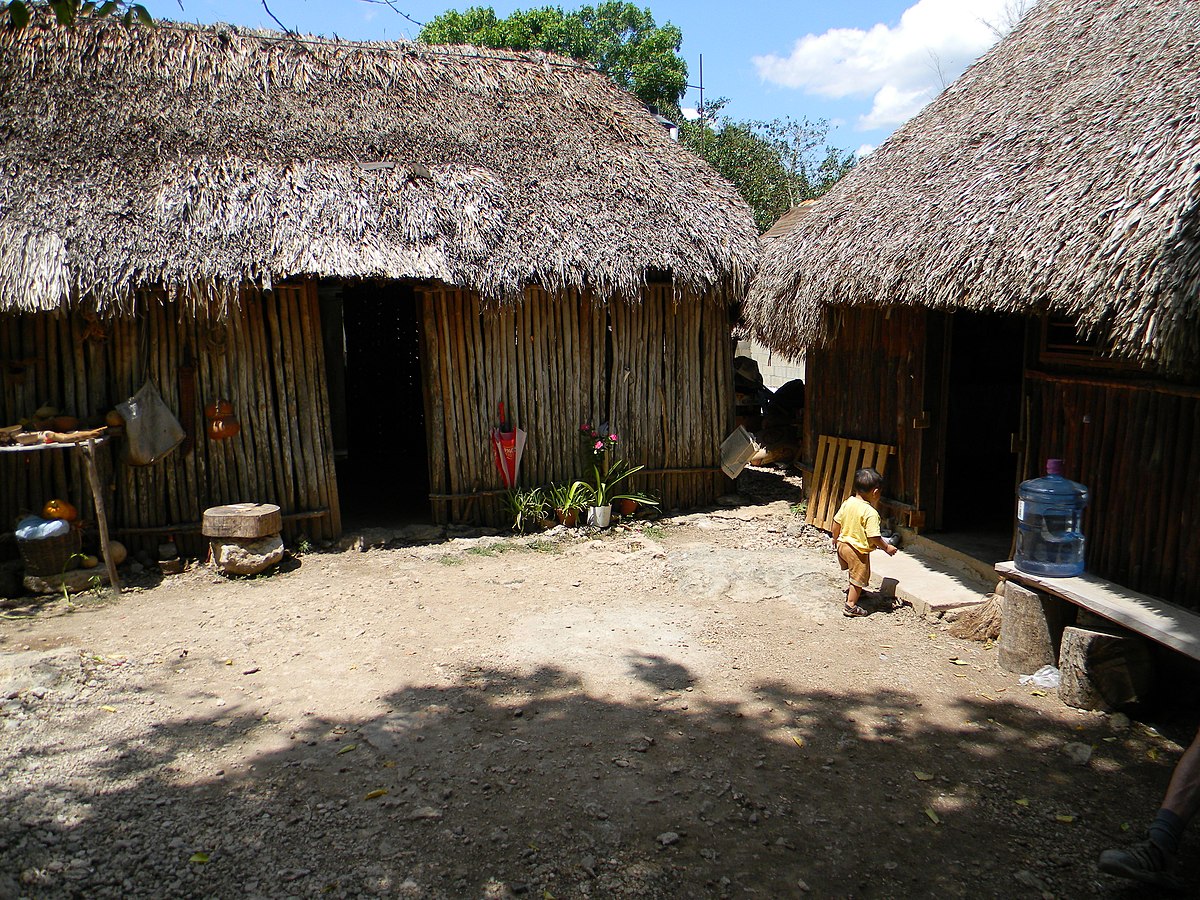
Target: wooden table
[{"x": 87, "y": 451}]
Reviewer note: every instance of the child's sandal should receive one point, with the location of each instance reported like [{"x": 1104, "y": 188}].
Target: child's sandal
[{"x": 854, "y": 612}]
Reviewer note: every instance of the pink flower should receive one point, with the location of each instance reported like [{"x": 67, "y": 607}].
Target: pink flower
[
  {"x": 613, "y": 438},
  {"x": 599, "y": 445}
]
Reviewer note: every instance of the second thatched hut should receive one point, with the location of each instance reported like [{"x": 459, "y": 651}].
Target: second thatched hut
[{"x": 1015, "y": 275}]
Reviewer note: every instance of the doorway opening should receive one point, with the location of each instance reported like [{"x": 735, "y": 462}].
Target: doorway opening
[
  {"x": 978, "y": 469},
  {"x": 373, "y": 361}
]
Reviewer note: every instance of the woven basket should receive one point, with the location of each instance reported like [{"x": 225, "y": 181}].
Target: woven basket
[{"x": 49, "y": 556}]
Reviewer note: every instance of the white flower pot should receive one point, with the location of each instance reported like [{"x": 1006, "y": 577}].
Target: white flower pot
[{"x": 600, "y": 516}]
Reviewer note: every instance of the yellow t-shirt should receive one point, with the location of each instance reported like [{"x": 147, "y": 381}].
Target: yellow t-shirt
[{"x": 859, "y": 521}]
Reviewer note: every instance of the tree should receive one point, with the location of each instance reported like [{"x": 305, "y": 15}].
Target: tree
[
  {"x": 1008, "y": 17},
  {"x": 18, "y": 13},
  {"x": 618, "y": 38},
  {"x": 774, "y": 165}
]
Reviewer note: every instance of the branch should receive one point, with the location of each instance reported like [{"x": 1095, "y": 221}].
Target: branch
[
  {"x": 286, "y": 30},
  {"x": 390, "y": 4}
]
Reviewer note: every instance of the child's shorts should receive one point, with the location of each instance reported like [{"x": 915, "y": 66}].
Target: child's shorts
[{"x": 857, "y": 563}]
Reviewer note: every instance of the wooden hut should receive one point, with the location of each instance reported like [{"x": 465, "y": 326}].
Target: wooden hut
[
  {"x": 1014, "y": 276},
  {"x": 365, "y": 248}
]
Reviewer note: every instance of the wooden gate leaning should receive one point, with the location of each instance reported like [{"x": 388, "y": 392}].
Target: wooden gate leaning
[{"x": 833, "y": 474}]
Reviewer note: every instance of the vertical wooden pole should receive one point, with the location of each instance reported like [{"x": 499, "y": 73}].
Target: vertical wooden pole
[{"x": 89, "y": 460}]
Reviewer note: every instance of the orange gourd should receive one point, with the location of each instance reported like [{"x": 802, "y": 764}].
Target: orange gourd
[
  {"x": 220, "y": 429},
  {"x": 60, "y": 509}
]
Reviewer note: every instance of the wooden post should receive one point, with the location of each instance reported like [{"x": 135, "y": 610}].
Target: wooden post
[
  {"x": 1103, "y": 668},
  {"x": 1030, "y": 629},
  {"x": 89, "y": 463}
]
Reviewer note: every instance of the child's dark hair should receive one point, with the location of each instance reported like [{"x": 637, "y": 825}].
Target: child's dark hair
[{"x": 866, "y": 480}]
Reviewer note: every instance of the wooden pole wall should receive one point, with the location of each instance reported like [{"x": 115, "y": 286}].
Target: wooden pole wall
[
  {"x": 658, "y": 371},
  {"x": 868, "y": 383},
  {"x": 1137, "y": 449},
  {"x": 266, "y": 358}
]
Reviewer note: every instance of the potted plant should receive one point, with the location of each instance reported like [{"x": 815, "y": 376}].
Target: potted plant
[
  {"x": 607, "y": 491},
  {"x": 569, "y": 500},
  {"x": 528, "y": 508}
]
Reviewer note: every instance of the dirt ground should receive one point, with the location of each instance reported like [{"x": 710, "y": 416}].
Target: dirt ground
[{"x": 671, "y": 709}]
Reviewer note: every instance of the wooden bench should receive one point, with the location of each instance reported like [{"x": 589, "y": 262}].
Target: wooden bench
[
  {"x": 1163, "y": 622},
  {"x": 1099, "y": 667}
]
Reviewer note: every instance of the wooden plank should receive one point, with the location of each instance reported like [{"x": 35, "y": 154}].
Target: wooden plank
[
  {"x": 850, "y": 465},
  {"x": 813, "y": 483},
  {"x": 435, "y": 435},
  {"x": 1168, "y": 624}
]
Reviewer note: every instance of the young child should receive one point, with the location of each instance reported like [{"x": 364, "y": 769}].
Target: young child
[{"x": 856, "y": 534}]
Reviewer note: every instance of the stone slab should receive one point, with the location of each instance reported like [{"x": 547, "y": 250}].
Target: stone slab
[{"x": 932, "y": 586}]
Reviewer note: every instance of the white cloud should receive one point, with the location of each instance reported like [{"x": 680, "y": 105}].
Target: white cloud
[
  {"x": 900, "y": 68},
  {"x": 864, "y": 151}
]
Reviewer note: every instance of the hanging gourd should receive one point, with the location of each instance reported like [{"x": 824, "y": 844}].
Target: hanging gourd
[
  {"x": 223, "y": 428},
  {"x": 60, "y": 509}
]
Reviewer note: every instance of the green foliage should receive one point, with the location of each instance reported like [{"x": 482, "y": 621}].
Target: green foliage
[
  {"x": 528, "y": 508},
  {"x": 607, "y": 485},
  {"x": 621, "y": 40},
  {"x": 774, "y": 165},
  {"x": 568, "y": 498},
  {"x": 19, "y": 13}
]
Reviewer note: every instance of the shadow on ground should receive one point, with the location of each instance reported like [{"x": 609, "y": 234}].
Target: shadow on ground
[{"x": 505, "y": 784}]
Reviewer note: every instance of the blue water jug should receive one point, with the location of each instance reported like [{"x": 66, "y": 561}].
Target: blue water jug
[{"x": 1049, "y": 524}]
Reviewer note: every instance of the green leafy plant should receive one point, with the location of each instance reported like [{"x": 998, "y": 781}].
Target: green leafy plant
[
  {"x": 607, "y": 485},
  {"x": 528, "y": 508},
  {"x": 570, "y": 498}
]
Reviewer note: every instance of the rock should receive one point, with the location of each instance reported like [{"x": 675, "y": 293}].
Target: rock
[
  {"x": 1079, "y": 754},
  {"x": 1118, "y": 722},
  {"x": 667, "y": 838},
  {"x": 249, "y": 557},
  {"x": 1029, "y": 880}
]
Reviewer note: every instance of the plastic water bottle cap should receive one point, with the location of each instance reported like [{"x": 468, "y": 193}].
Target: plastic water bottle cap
[{"x": 1054, "y": 467}]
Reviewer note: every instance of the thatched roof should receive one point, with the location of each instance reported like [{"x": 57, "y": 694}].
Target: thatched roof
[
  {"x": 1060, "y": 173},
  {"x": 201, "y": 157},
  {"x": 787, "y": 223}
]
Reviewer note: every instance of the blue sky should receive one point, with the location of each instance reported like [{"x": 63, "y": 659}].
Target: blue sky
[{"x": 865, "y": 66}]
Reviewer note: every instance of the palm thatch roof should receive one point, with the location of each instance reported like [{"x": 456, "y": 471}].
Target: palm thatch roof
[
  {"x": 787, "y": 223},
  {"x": 203, "y": 157},
  {"x": 1060, "y": 173}
]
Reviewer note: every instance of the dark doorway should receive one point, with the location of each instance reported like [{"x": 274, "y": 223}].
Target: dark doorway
[
  {"x": 982, "y": 416},
  {"x": 373, "y": 357}
]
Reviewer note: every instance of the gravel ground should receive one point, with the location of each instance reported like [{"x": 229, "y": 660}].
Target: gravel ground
[{"x": 670, "y": 709}]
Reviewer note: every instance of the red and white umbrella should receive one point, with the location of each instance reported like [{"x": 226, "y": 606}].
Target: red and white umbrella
[{"x": 508, "y": 443}]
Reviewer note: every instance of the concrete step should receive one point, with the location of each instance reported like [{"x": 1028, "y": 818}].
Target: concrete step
[
  {"x": 931, "y": 547},
  {"x": 932, "y": 580}
]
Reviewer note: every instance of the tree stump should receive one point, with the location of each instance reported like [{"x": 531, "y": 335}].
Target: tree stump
[
  {"x": 1030, "y": 629},
  {"x": 1103, "y": 668},
  {"x": 244, "y": 537}
]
